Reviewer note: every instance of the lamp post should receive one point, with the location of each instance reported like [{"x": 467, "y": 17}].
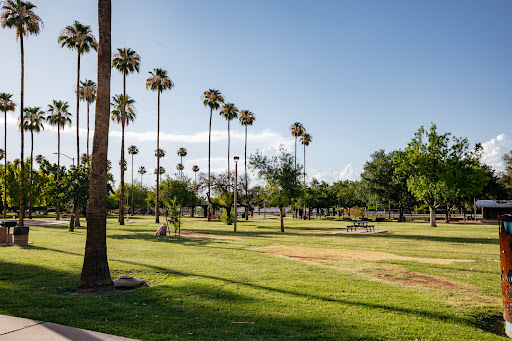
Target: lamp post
[
  {"x": 69, "y": 157},
  {"x": 236, "y": 158}
]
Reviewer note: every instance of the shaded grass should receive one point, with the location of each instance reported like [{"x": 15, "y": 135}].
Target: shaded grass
[{"x": 211, "y": 277}]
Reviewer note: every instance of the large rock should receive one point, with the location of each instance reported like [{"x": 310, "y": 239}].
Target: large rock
[
  {"x": 162, "y": 230},
  {"x": 128, "y": 282}
]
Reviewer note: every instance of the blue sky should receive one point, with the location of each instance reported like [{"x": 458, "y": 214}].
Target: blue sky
[{"x": 360, "y": 75}]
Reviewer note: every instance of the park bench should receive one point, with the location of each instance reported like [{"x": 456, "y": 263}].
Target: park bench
[{"x": 361, "y": 225}]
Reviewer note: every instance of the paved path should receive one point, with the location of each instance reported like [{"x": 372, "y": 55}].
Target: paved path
[{"x": 21, "y": 329}]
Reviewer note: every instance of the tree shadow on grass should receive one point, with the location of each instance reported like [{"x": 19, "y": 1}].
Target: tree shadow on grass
[
  {"x": 443, "y": 239},
  {"x": 181, "y": 311}
]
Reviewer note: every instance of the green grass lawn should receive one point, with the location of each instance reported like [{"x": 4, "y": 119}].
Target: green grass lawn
[{"x": 305, "y": 284}]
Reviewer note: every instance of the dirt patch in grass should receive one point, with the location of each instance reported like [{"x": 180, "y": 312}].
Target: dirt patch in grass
[
  {"x": 401, "y": 276},
  {"x": 322, "y": 256}
]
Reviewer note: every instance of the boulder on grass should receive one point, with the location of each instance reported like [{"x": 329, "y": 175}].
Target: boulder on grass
[
  {"x": 162, "y": 230},
  {"x": 128, "y": 282}
]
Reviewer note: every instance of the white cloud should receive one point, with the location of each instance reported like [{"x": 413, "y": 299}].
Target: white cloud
[
  {"x": 348, "y": 173},
  {"x": 494, "y": 150}
]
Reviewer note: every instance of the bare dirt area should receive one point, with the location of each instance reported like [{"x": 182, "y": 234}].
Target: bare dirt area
[{"x": 322, "y": 256}]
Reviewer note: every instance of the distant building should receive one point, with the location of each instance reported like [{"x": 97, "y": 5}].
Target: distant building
[{"x": 491, "y": 209}]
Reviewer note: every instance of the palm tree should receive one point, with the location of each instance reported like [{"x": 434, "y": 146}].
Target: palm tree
[
  {"x": 246, "y": 119},
  {"x": 123, "y": 113},
  {"x": 160, "y": 172},
  {"x": 142, "y": 170},
  {"x": 181, "y": 153},
  {"x": 229, "y": 112},
  {"x": 20, "y": 15},
  {"x": 125, "y": 61},
  {"x": 78, "y": 37},
  {"x": 195, "y": 169},
  {"x": 305, "y": 139},
  {"x": 133, "y": 150},
  {"x": 180, "y": 168},
  {"x": 60, "y": 117},
  {"x": 33, "y": 122},
  {"x": 39, "y": 159},
  {"x": 95, "y": 275},
  {"x": 159, "y": 81},
  {"x": 211, "y": 98},
  {"x": 297, "y": 129},
  {"x": 85, "y": 160},
  {"x": 87, "y": 92},
  {"x": 6, "y": 104}
]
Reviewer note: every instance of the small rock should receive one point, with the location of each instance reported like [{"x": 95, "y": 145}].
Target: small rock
[
  {"x": 128, "y": 282},
  {"x": 162, "y": 230}
]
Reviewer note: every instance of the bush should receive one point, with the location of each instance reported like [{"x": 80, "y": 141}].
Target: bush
[{"x": 227, "y": 220}]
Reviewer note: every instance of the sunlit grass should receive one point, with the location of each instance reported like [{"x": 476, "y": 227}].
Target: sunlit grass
[{"x": 304, "y": 284}]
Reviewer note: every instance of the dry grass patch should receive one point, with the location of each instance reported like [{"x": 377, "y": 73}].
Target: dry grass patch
[{"x": 322, "y": 256}]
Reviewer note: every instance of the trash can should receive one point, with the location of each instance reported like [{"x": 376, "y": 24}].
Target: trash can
[
  {"x": 20, "y": 235},
  {"x": 505, "y": 232}
]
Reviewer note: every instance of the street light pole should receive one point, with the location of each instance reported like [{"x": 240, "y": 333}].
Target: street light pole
[
  {"x": 69, "y": 157},
  {"x": 236, "y": 158}
]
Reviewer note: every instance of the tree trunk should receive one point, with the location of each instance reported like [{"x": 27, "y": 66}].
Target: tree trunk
[
  {"x": 229, "y": 179},
  {"x": 209, "y": 158},
  {"x": 281, "y": 215},
  {"x": 157, "y": 211},
  {"x": 57, "y": 207},
  {"x": 132, "y": 207},
  {"x": 447, "y": 214},
  {"x": 95, "y": 275},
  {"x": 295, "y": 159},
  {"x": 88, "y": 132},
  {"x": 432, "y": 216},
  {"x": 246, "y": 183},
  {"x": 121, "y": 186},
  {"x": 22, "y": 180},
  {"x": 304, "y": 165},
  {"x": 5, "y": 166},
  {"x": 31, "y": 178},
  {"x": 400, "y": 211},
  {"x": 78, "y": 111}
]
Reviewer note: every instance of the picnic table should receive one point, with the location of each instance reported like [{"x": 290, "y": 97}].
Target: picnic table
[{"x": 361, "y": 225}]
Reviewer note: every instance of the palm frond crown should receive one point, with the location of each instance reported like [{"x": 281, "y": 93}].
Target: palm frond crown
[{"x": 20, "y": 15}]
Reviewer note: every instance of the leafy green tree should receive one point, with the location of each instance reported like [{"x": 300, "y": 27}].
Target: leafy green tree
[
  {"x": 181, "y": 191},
  {"x": 380, "y": 178},
  {"x": 429, "y": 163},
  {"x": 282, "y": 178},
  {"x": 20, "y": 16},
  {"x": 159, "y": 81},
  {"x": 347, "y": 195}
]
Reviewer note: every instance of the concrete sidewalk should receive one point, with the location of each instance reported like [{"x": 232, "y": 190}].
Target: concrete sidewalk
[{"x": 17, "y": 328}]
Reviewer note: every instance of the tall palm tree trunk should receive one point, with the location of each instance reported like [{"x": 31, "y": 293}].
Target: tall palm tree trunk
[
  {"x": 88, "y": 131},
  {"x": 209, "y": 163},
  {"x": 157, "y": 211},
  {"x": 57, "y": 207},
  {"x": 246, "y": 184},
  {"x": 121, "y": 192},
  {"x": 78, "y": 111},
  {"x": 31, "y": 178},
  {"x": 121, "y": 188},
  {"x": 95, "y": 275},
  {"x": 304, "y": 165},
  {"x": 76, "y": 215},
  {"x": 295, "y": 152},
  {"x": 228, "y": 154},
  {"x": 22, "y": 180},
  {"x": 5, "y": 165},
  {"x": 132, "y": 188}
]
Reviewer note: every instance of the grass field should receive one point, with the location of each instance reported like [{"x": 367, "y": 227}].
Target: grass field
[{"x": 415, "y": 283}]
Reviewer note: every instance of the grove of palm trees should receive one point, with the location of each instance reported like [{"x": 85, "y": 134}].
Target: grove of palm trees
[{"x": 403, "y": 248}]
